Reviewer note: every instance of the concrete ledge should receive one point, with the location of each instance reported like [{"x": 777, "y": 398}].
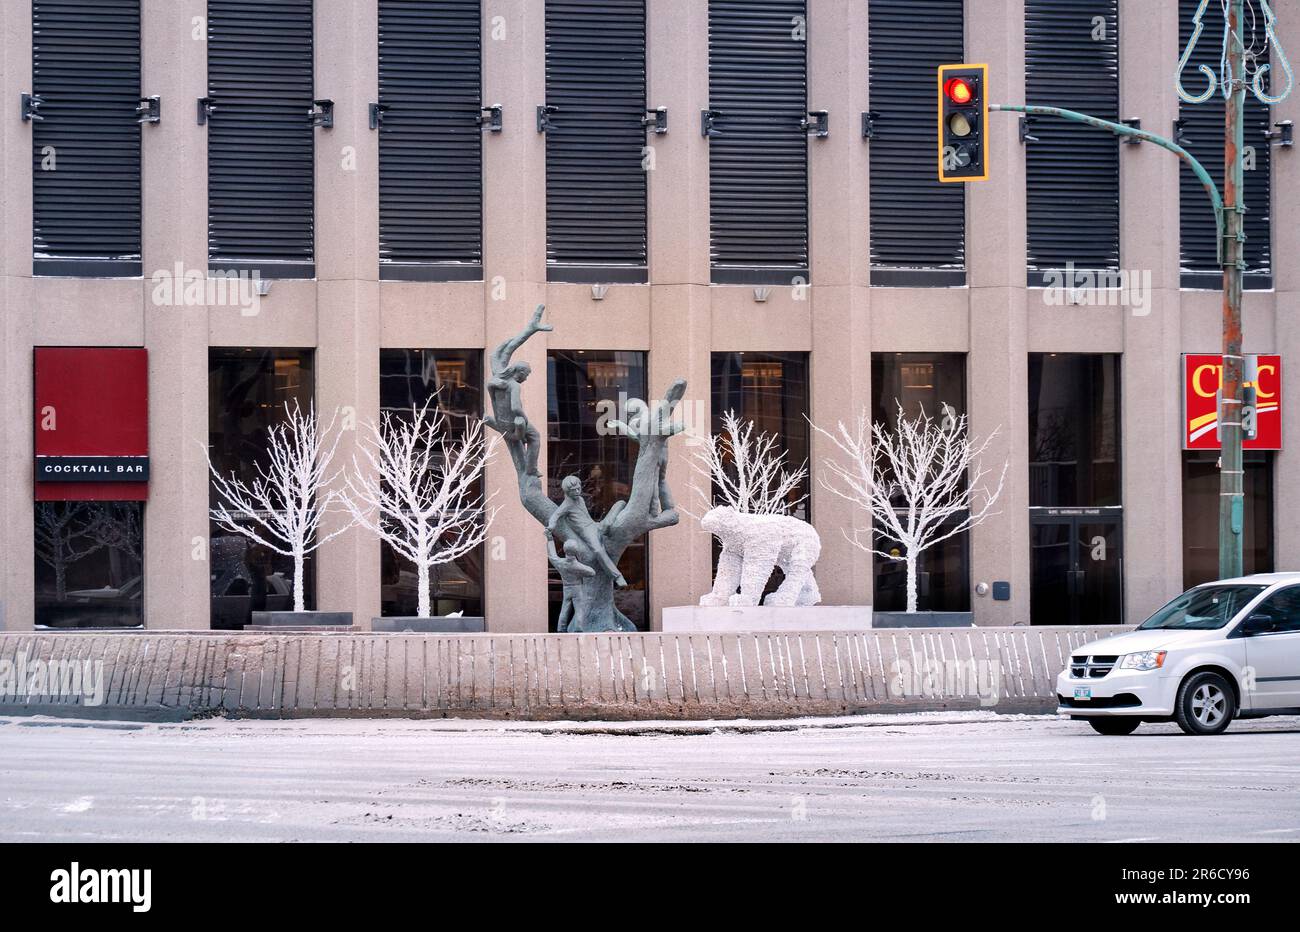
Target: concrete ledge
[
  {"x": 158, "y": 675},
  {"x": 746, "y": 618}
]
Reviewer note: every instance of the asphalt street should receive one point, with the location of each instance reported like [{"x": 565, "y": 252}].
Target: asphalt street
[{"x": 944, "y": 777}]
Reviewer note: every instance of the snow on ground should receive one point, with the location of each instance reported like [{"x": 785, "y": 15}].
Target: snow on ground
[{"x": 959, "y": 776}]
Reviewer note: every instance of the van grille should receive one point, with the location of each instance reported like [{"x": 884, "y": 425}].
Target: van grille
[{"x": 1094, "y": 667}]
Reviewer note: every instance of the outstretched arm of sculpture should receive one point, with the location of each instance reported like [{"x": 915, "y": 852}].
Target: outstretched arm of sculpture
[
  {"x": 639, "y": 516},
  {"x": 501, "y": 355}
]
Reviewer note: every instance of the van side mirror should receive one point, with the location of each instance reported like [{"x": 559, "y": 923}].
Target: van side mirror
[{"x": 1258, "y": 623}]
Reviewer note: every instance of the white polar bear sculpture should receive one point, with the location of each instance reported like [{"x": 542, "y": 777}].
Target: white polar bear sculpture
[{"x": 751, "y": 546}]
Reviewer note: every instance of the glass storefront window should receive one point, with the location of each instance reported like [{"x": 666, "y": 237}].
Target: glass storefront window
[
  {"x": 247, "y": 391},
  {"x": 408, "y": 379},
  {"x": 934, "y": 383},
  {"x": 1201, "y": 516},
  {"x": 581, "y": 386},
  {"x": 770, "y": 389},
  {"x": 1074, "y": 430},
  {"x": 89, "y": 564}
]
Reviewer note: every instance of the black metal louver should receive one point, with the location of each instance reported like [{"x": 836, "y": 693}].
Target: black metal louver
[
  {"x": 758, "y": 145},
  {"x": 1201, "y": 134},
  {"x": 1072, "y": 61},
  {"x": 260, "y": 137},
  {"x": 918, "y": 224},
  {"x": 430, "y": 140},
  {"x": 86, "y": 142},
  {"x": 595, "y": 105}
]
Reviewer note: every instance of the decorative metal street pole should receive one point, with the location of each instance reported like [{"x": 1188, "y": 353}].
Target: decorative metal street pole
[{"x": 1231, "y": 503}]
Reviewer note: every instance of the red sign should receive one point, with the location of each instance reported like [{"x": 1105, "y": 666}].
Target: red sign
[
  {"x": 91, "y": 421},
  {"x": 1202, "y": 377}
]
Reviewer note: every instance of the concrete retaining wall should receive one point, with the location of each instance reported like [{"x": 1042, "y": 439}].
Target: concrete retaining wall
[{"x": 175, "y": 675}]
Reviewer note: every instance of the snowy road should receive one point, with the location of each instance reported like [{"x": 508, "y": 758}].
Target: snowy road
[{"x": 940, "y": 777}]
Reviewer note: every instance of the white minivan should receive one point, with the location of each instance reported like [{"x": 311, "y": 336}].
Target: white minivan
[{"x": 1219, "y": 651}]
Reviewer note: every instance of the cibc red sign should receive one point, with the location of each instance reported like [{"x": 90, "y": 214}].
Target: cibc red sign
[{"x": 1202, "y": 379}]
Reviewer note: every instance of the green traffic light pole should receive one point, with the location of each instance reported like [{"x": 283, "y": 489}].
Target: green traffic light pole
[
  {"x": 1231, "y": 503},
  {"x": 1121, "y": 129}
]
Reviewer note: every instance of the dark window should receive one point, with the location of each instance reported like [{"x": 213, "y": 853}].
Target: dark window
[
  {"x": 918, "y": 224},
  {"x": 758, "y": 153},
  {"x": 86, "y": 144},
  {"x": 1072, "y": 61},
  {"x": 584, "y": 387},
  {"x": 430, "y": 141},
  {"x": 1284, "y": 606},
  {"x": 1074, "y": 430},
  {"x": 770, "y": 389},
  {"x": 260, "y": 144},
  {"x": 407, "y": 380},
  {"x": 1201, "y": 134},
  {"x": 595, "y": 183},
  {"x": 247, "y": 393},
  {"x": 89, "y": 564},
  {"x": 936, "y": 384},
  {"x": 1201, "y": 516}
]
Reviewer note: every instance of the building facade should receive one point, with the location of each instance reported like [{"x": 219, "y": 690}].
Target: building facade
[{"x": 345, "y": 203}]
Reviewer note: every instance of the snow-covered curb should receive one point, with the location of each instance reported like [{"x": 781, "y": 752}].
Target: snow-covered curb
[{"x": 663, "y": 727}]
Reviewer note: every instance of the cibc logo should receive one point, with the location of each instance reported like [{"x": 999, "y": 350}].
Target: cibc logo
[{"x": 80, "y": 884}]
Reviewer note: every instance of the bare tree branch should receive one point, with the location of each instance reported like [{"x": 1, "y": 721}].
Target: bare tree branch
[
  {"x": 911, "y": 482},
  {"x": 418, "y": 490},
  {"x": 290, "y": 493}
]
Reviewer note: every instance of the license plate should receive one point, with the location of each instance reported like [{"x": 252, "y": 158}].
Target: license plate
[{"x": 1083, "y": 692}]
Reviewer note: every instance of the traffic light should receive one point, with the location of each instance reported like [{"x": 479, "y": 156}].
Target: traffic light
[{"x": 963, "y": 107}]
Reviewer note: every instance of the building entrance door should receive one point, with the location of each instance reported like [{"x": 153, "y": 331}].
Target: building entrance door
[{"x": 1076, "y": 566}]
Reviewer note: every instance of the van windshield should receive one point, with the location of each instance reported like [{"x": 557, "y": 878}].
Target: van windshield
[{"x": 1203, "y": 609}]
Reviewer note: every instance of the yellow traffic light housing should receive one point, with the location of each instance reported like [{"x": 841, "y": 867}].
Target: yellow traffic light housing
[{"x": 963, "y": 110}]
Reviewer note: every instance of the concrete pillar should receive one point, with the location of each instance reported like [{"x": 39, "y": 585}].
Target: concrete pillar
[
  {"x": 175, "y": 184},
  {"x": 839, "y": 183},
  {"x": 347, "y": 287},
  {"x": 17, "y": 570},
  {"x": 1150, "y": 383},
  {"x": 1286, "y": 242},
  {"x": 514, "y": 252},
  {"x": 996, "y": 369},
  {"x": 680, "y": 326}
]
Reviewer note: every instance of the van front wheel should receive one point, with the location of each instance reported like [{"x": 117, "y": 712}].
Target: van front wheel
[{"x": 1205, "y": 704}]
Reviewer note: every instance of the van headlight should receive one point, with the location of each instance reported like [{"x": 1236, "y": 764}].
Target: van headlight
[{"x": 1146, "y": 660}]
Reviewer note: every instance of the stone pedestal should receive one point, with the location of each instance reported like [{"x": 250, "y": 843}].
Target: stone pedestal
[{"x": 691, "y": 618}]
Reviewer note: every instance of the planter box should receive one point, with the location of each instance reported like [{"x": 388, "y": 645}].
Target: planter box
[
  {"x": 692, "y": 618},
  {"x": 922, "y": 619},
  {"x": 301, "y": 619},
  {"x": 439, "y": 625}
]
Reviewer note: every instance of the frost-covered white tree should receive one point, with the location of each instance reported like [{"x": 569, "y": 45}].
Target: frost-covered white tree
[
  {"x": 290, "y": 494},
  {"x": 746, "y": 472},
  {"x": 912, "y": 481},
  {"x": 418, "y": 489}
]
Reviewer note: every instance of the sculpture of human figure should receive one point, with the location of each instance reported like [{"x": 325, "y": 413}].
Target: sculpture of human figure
[
  {"x": 503, "y": 390},
  {"x": 643, "y": 419},
  {"x": 574, "y": 509},
  {"x": 572, "y": 572}
]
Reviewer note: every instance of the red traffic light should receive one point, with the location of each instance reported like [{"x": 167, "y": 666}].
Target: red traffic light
[
  {"x": 959, "y": 91},
  {"x": 962, "y": 107}
]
